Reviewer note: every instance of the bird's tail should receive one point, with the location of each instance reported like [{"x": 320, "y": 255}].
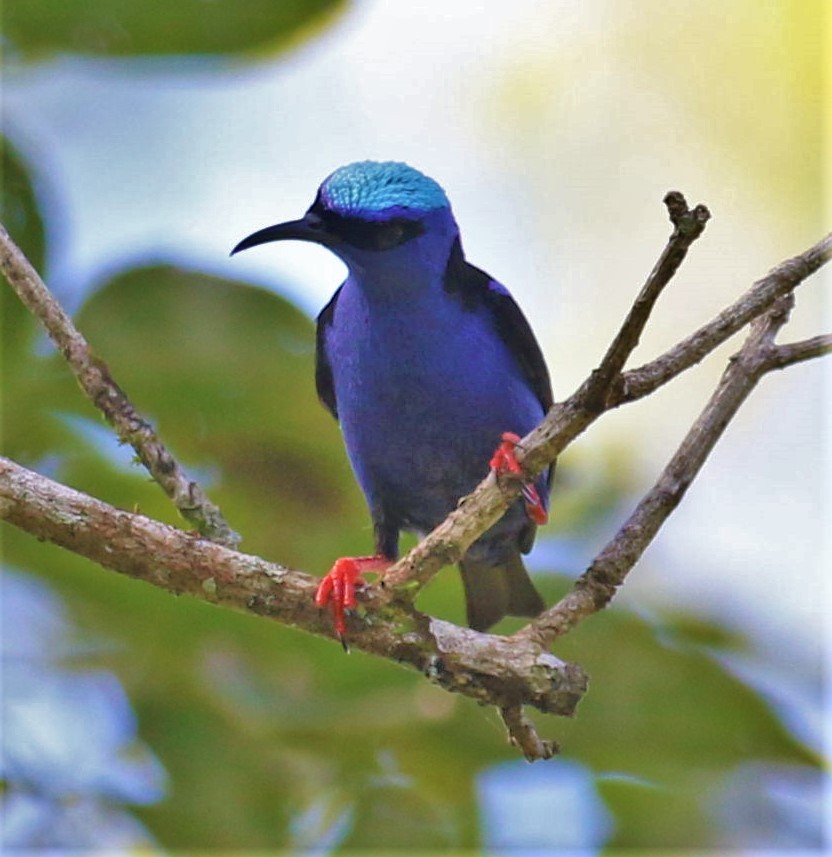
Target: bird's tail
[{"x": 493, "y": 591}]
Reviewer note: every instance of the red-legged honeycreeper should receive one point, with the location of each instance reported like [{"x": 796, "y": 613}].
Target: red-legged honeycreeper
[{"x": 428, "y": 365}]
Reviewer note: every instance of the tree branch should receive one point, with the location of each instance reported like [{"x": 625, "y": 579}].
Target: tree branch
[
  {"x": 101, "y": 389},
  {"x": 599, "y": 583},
  {"x": 485, "y": 667},
  {"x": 508, "y": 672}
]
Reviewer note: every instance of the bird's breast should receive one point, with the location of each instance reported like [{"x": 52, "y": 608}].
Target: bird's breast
[
  {"x": 424, "y": 389},
  {"x": 427, "y": 359}
]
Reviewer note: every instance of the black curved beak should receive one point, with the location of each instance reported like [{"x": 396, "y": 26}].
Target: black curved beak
[{"x": 309, "y": 228}]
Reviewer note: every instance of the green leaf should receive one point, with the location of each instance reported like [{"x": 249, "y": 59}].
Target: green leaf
[
  {"x": 19, "y": 215},
  {"x": 18, "y": 207},
  {"x": 28, "y": 431},
  {"x": 672, "y": 706},
  {"x": 225, "y": 371},
  {"x": 37, "y": 29},
  {"x": 667, "y": 718}
]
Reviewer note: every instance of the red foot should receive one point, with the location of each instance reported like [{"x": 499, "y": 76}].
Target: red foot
[
  {"x": 504, "y": 461},
  {"x": 338, "y": 586}
]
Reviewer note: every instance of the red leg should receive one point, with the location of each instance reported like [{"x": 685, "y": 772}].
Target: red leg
[
  {"x": 505, "y": 461},
  {"x": 338, "y": 586}
]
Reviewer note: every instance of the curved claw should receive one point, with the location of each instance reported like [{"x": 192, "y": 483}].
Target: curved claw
[
  {"x": 338, "y": 587},
  {"x": 504, "y": 461}
]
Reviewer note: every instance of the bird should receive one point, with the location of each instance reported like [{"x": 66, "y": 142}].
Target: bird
[{"x": 433, "y": 374}]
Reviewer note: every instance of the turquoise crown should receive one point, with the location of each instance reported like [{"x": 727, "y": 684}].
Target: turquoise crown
[{"x": 368, "y": 188}]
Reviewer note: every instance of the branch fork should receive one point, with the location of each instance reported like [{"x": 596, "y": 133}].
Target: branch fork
[{"x": 508, "y": 672}]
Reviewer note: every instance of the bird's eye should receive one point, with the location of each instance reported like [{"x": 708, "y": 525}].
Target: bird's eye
[
  {"x": 389, "y": 235},
  {"x": 373, "y": 235}
]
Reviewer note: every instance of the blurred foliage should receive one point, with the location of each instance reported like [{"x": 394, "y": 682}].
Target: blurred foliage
[
  {"x": 19, "y": 213},
  {"x": 273, "y": 738},
  {"x": 71, "y": 764},
  {"x": 750, "y": 87},
  {"x": 21, "y": 217},
  {"x": 37, "y": 29},
  {"x": 766, "y": 56}
]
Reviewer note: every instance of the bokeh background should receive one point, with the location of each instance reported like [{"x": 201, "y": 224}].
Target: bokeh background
[{"x": 142, "y": 141}]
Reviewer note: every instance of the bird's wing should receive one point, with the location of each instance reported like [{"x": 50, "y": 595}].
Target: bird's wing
[
  {"x": 323, "y": 370},
  {"x": 475, "y": 289}
]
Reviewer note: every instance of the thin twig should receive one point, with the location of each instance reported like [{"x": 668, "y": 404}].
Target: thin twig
[
  {"x": 692, "y": 349},
  {"x": 688, "y": 226},
  {"x": 102, "y": 390},
  {"x": 523, "y": 734},
  {"x": 788, "y": 354}
]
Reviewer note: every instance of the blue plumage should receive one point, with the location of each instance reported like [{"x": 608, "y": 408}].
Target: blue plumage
[
  {"x": 370, "y": 189},
  {"x": 425, "y": 361}
]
